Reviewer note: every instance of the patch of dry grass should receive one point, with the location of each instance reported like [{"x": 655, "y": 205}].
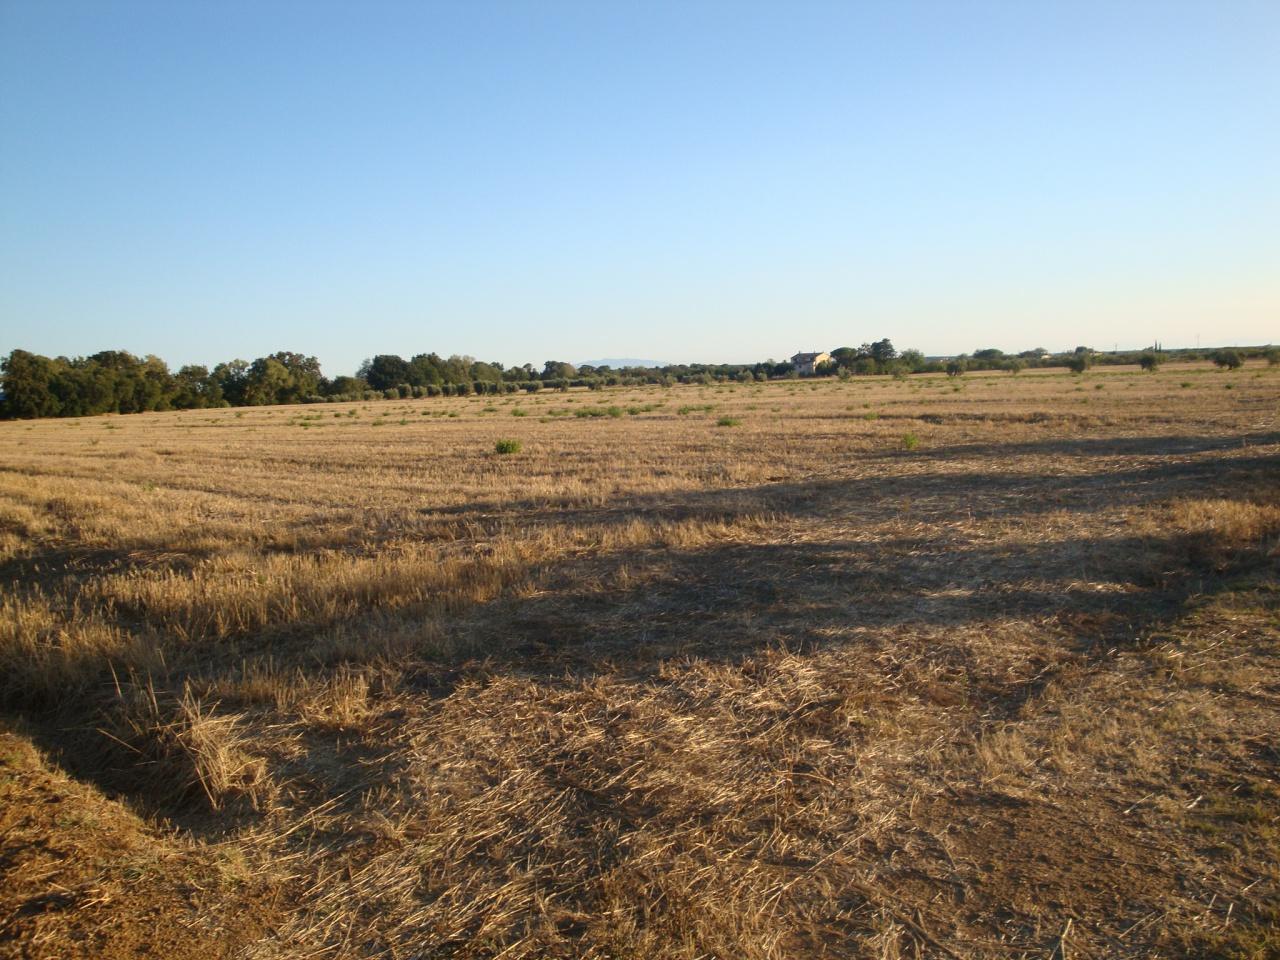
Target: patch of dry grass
[{"x": 652, "y": 687}]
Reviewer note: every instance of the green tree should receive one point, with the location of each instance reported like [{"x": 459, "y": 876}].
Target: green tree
[
  {"x": 489, "y": 372},
  {"x": 154, "y": 388},
  {"x": 457, "y": 369},
  {"x": 304, "y": 376},
  {"x": 384, "y": 371},
  {"x": 883, "y": 353},
  {"x": 913, "y": 360},
  {"x": 426, "y": 369},
  {"x": 84, "y": 387},
  {"x": 844, "y": 356},
  {"x": 557, "y": 369},
  {"x": 521, "y": 374},
  {"x": 196, "y": 388},
  {"x": 232, "y": 378},
  {"x": 26, "y": 379},
  {"x": 267, "y": 381},
  {"x": 347, "y": 387},
  {"x": 113, "y": 380},
  {"x": 1227, "y": 359}
]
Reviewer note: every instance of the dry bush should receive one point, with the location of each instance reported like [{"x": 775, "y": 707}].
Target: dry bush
[
  {"x": 1225, "y": 530},
  {"x": 49, "y": 654},
  {"x": 187, "y": 748},
  {"x": 342, "y": 702}
]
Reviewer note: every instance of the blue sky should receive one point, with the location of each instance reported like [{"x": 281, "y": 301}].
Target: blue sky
[{"x": 682, "y": 181}]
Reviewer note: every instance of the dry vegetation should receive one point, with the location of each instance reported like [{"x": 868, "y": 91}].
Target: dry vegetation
[{"x": 884, "y": 668}]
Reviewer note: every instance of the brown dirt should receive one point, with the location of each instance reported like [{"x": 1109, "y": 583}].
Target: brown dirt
[{"x": 81, "y": 876}]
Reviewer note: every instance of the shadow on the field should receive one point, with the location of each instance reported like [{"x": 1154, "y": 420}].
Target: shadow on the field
[
  {"x": 828, "y": 572},
  {"x": 929, "y": 497},
  {"x": 729, "y": 601},
  {"x": 1091, "y": 447}
]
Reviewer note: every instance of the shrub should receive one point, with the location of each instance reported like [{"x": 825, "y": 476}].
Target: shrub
[
  {"x": 910, "y": 441},
  {"x": 188, "y": 748},
  {"x": 533, "y": 386},
  {"x": 507, "y": 446},
  {"x": 727, "y": 422},
  {"x": 1273, "y": 356},
  {"x": 598, "y": 412},
  {"x": 391, "y": 393},
  {"x": 1078, "y": 362},
  {"x": 1150, "y": 360},
  {"x": 1227, "y": 359},
  {"x": 955, "y": 368}
]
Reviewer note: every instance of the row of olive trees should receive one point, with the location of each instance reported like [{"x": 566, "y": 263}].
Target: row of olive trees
[
  {"x": 114, "y": 381},
  {"x": 1082, "y": 358},
  {"x": 1227, "y": 359}
]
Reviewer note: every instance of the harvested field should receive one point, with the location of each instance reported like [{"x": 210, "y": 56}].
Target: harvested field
[{"x": 929, "y": 667}]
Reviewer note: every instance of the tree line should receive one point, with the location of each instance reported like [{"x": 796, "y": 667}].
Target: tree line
[{"x": 115, "y": 381}]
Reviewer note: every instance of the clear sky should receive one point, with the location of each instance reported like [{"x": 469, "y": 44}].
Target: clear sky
[{"x": 676, "y": 181}]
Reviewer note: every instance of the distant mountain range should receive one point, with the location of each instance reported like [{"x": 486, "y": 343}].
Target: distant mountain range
[{"x": 617, "y": 362}]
